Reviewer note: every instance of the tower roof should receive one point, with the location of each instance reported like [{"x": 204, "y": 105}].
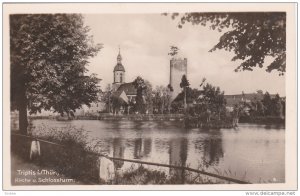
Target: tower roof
[{"x": 119, "y": 67}]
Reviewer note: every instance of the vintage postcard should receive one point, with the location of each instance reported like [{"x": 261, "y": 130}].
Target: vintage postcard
[{"x": 149, "y": 96}]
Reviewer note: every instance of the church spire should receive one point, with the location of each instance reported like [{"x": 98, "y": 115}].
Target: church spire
[{"x": 119, "y": 57}]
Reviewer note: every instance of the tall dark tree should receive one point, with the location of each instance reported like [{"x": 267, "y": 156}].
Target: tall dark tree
[
  {"x": 184, "y": 84},
  {"x": 251, "y": 36},
  {"x": 141, "y": 87},
  {"x": 49, "y": 54},
  {"x": 267, "y": 102},
  {"x": 277, "y": 108}
]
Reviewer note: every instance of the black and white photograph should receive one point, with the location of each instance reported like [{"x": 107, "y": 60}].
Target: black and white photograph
[{"x": 168, "y": 94}]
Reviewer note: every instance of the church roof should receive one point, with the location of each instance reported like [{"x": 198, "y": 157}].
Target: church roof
[
  {"x": 128, "y": 88},
  {"x": 119, "y": 67}
]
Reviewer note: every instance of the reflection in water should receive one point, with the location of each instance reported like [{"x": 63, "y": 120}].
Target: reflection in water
[
  {"x": 258, "y": 150},
  {"x": 137, "y": 148},
  {"x": 142, "y": 147},
  {"x": 178, "y": 156},
  {"x": 213, "y": 151},
  {"x": 147, "y": 146},
  {"x": 118, "y": 152}
]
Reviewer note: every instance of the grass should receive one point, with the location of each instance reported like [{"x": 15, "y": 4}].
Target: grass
[{"x": 146, "y": 176}]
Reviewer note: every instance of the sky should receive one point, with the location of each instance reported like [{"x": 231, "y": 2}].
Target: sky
[{"x": 145, "y": 41}]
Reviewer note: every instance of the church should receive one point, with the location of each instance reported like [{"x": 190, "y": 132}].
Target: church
[{"x": 126, "y": 91}]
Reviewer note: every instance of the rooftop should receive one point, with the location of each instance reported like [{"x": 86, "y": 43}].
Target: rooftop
[{"x": 128, "y": 88}]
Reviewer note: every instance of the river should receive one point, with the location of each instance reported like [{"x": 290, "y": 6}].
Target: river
[{"x": 251, "y": 152}]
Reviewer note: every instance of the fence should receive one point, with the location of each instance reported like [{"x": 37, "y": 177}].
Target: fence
[{"x": 21, "y": 145}]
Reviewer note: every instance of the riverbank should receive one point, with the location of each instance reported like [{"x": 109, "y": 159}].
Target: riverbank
[
  {"x": 267, "y": 120},
  {"x": 164, "y": 117},
  {"x": 105, "y": 116},
  {"x": 195, "y": 122},
  {"x": 187, "y": 122}
]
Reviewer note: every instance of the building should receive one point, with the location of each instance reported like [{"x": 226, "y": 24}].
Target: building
[
  {"x": 178, "y": 68},
  {"x": 95, "y": 108},
  {"x": 121, "y": 89},
  {"x": 119, "y": 85},
  {"x": 129, "y": 89},
  {"x": 118, "y": 73},
  {"x": 232, "y": 100}
]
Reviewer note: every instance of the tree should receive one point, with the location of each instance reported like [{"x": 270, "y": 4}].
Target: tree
[
  {"x": 170, "y": 87},
  {"x": 116, "y": 104},
  {"x": 283, "y": 107},
  {"x": 256, "y": 107},
  {"x": 173, "y": 51},
  {"x": 184, "y": 84},
  {"x": 220, "y": 102},
  {"x": 162, "y": 99},
  {"x": 140, "y": 85},
  {"x": 148, "y": 97},
  {"x": 277, "y": 106},
  {"x": 267, "y": 102},
  {"x": 213, "y": 98},
  {"x": 273, "y": 106},
  {"x": 48, "y": 55},
  {"x": 251, "y": 36},
  {"x": 158, "y": 105},
  {"x": 107, "y": 98}
]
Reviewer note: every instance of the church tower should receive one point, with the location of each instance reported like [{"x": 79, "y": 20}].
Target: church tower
[{"x": 119, "y": 72}]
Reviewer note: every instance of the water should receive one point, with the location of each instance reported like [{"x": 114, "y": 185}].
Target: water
[{"x": 249, "y": 152}]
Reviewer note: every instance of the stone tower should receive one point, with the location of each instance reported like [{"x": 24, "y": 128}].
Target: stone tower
[
  {"x": 119, "y": 72},
  {"x": 178, "y": 68}
]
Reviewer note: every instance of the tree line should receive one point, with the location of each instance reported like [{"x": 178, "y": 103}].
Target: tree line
[
  {"x": 159, "y": 100},
  {"x": 268, "y": 106},
  {"x": 208, "y": 102}
]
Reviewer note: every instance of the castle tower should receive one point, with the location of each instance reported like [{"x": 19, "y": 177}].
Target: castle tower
[
  {"x": 119, "y": 72},
  {"x": 178, "y": 68}
]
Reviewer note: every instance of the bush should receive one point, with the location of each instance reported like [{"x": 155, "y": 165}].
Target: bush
[{"x": 70, "y": 157}]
